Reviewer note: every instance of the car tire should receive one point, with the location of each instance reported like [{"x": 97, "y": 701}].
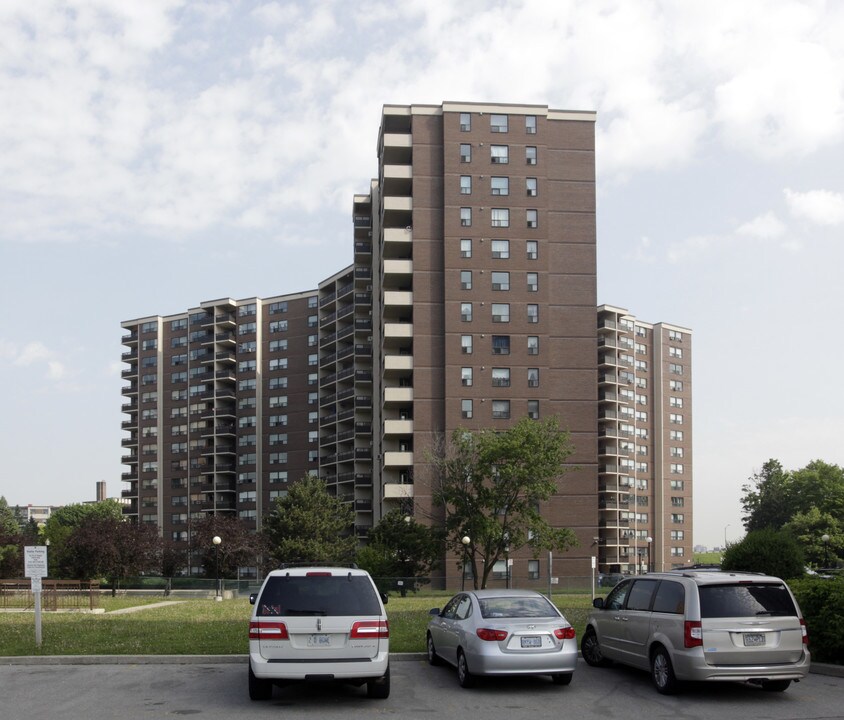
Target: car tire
[
  {"x": 590, "y": 648},
  {"x": 464, "y": 676},
  {"x": 433, "y": 658},
  {"x": 662, "y": 672},
  {"x": 379, "y": 688},
  {"x": 259, "y": 689},
  {"x": 562, "y": 678},
  {"x": 775, "y": 685}
]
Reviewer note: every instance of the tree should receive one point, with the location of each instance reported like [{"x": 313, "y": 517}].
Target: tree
[
  {"x": 401, "y": 550},
  {"x": 107, "y": 547},
  {"x": 490, "y": 485},
  {"x": 769, "y": 551},
  {"x": 809, "y": 529},
  {"x": 766, "y": 502},
  {"x": 310, "y": 525},
  {"x": 64, "y": 521},
  {"x": 11, "y": 563},
  {"x": 241, "y": 546},
  {"x": 818, "y": 485}
]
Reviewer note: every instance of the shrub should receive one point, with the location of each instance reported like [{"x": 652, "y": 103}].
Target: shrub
[
  {"x": 822, "y": 603},
  {"x": 773, "y": 552}
]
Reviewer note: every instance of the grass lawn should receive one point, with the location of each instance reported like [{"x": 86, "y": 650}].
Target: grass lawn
[{"x": 200, "y": 627}]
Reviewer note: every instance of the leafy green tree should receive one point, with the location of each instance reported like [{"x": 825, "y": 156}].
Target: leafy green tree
[
  {"x": 490, "y": 485},
  {"x": 819, "y": 485},
  {"x": 310, "y": 525},
  {"x": 766, "y": 501},
  {"x": 11, "y": 563},
  {"x": 401, "y": 550},
  {"x": 809, "y": 528},
  {"x": 61, "y": 525},
  {"x": 241, "y": 546},
  {"x": 774, "y": 552},
  {"x": 9, "y": 526}
]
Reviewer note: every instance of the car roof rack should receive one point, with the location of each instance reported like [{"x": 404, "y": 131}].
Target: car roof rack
[{"x": 287, "y": 566}]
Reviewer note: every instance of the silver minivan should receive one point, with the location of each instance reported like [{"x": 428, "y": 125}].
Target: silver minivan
[{"x": 686, "y": 625}]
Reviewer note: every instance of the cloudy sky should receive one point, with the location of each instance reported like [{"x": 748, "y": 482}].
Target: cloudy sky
[{"x": 201, "y": 135}]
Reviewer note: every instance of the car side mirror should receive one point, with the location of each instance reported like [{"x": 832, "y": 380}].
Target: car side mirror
[
  {"x": 598, "y": 603},
  {"x": 252, "y": 598},
  {"x": 434, "y": 611},
  {"x": 384, "y": 598}
]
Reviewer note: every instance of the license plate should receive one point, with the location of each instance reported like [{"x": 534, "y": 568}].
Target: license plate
[
  {"x": 531, "y": 642},
  {"x": 319, "y": 640},
  {"x": 754, "y": 639}
]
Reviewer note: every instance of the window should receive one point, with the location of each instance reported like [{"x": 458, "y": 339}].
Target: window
[
  {"x": 678, "y": 518},
  {"x": 247, "y": 328},
  {"x": 278, "y": 326},
  {"x": 278, "y": 307},
  {"x": 313, "y": 379},
  {"x": 179, "y": 377},
  {"x": 533, "y": 282},
  {"x": 675, "y": 418},
  {"x": 466, "y": 344},
  {"x": 248, "y": 384},
  {"x": 500, "y": 217},
  {"x": 533, "y": 409},
  {"x": 313, "y": 341},
  {"x": 533, "y": 377},
  {"x": 244, "y": 310},
  {"x": 675, "y": 352},
  {"x": 498, "y": 123},
  {"x": 677, "y": 468},
  {"x": 465, "y": 248},
  {"x": 501, "y": 377},
  {"x": 675, "y": 385},
  {"x": 675, "y": 368},
  {"x": 278, "y": 401},
  {"x": 246, "y": 347},
  {"x": 500, "y": 344},
  {"x": 532, "y": 217},
  {"x": 278, "y": 420},
  {"x": 500, "y": 281},
  {"x": 465, "y": 184},
  {"x": 500, "y": 249},
  {"x": 499, "y": 185},
  {"x": 533, "y": 313},
  {"x": 642, "y": 365},
  {"x": 500, "y": 312},
  {"x": 178, "y": 342},
  {"x": 278, "y": 439},
  {"x": 533, "y": 345},
  {"x": 313, "y": 359},
  {"x": 278, "y": 458},
  {"x": 531, "y": 187},
  {"x": 465, "y": 279},
  {"x": 179, "y": 324},
  {"x": 501, "y": 409},
  {"x": 466, "y": 377},
  {"x": 499, "y": 154},
  {"x": 247, "y": 440},
  {"x": 532, "y": 249},
  {"x": 533, "y": 569},
  {"x": 678, "y": 534},
  {"x": 313, "y": 321},
  {"x": 466, "y": 409},
  {"x": 465, "y": 217},
  {"x": 278, "y": 476},
  {"x": 277, "y": 382},
  {"x": 465, "y": 153},
  {"x": 466, "y": 312},
  {"x": 675, "y": 435},
  {"x": 676, "y": 402},
  {"x": 465, "y": 122},
  {"x": 276, "y": 345},
  {"x": 246, "y": 366},
  {"x": 675, "y": 336},
  {"x": 530, "y": 155},
  {"x": 530, "y": 124}
]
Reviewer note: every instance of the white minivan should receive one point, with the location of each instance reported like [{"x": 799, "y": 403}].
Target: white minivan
[
  {"x": 318, "y": 623},
  {"x": 687, "y": 625}
]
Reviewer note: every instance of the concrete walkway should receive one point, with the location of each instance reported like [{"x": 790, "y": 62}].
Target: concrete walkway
[{"x": 137, "y": 608}]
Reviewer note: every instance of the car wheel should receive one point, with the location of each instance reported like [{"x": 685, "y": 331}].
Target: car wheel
[
  {"x": 562, "y": 678},
  {"x": 464, "y": 677},
  {"x": 775, "y": 685},
  {"x": 433, "y": 658},
  {"x": 259, "y": 689},
  {"x": 379, "y": 688},
  {"x": 590, "y": 648},
  {"x": 662, "y": 672}
]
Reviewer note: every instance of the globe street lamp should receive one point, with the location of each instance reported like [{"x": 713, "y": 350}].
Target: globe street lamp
[
  {"x": 217, "y": 540},
  {"x": 825, "y": 541},
  {"x": 465, "y": 540},
  {"x": 649, "y": 540}
]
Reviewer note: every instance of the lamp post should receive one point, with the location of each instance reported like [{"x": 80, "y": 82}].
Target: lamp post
[
  {"x": 649, "y": 540},
  {"x": 217, "y": 540},
  {"x": 825, "y": 541},
  {"x": 725, "y": 535},
  {"x": 465, "y": 540}
]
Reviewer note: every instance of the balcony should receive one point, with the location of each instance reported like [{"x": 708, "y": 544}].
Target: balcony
[
  {"x": 398, "y": 395},
  {"x": 398, "y": 459},
  {"x": 398, "y": 427},
  {"x": 398, "y": 491}
]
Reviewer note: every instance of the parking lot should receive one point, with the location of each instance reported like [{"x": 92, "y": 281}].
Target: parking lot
[{"x": 218, "y": 690}]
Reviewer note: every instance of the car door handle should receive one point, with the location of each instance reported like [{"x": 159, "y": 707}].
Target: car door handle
[{"x": 619, "y": 617}]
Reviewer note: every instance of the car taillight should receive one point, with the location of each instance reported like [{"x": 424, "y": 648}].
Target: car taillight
[
  {"x": 692, "y": 634},
  {"x": 317, "y": 574},
  {"x": 490, "y": 634},
  {"x": 805, "y": 630},
  {"x": 268, "y": 631},
  {"x": 566, "y": 633},
  {"x": 370, "y": 629}
]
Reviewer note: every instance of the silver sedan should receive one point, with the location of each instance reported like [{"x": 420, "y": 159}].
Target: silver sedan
[{"x": 502, "y": 632}]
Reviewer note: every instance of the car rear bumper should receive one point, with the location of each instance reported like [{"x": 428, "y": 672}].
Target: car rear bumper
[
  {"x": 694, "y": 667},
  {"x": 323, "y": 670},
  {"x": 498, "y": 663}
]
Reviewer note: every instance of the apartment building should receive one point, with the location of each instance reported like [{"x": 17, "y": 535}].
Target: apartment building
[
  {"x": 645, "y": 443},
  {"x": 470, "y": 302}
]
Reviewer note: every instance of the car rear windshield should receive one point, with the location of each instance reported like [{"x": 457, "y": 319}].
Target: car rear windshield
[
  {"x": 319, "y": 595},
  {"x": 519, "y": 607},
  {"x": 745, "y": 600}
]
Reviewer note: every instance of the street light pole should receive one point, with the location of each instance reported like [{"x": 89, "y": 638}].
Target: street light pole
[
  {"x": 648, "y": 566},
  {"x": 465, "y": 540},
  {"x": 825, "y": 540},
  {"x": 217, "y": 540},
  {"x": 725, "y": 535}
]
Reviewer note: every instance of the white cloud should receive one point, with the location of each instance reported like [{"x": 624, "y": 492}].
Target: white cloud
[
  {"x": 765, "y": 227},
  {"x": 821, "y": 207},
  {"x": 32, "y": 354}
]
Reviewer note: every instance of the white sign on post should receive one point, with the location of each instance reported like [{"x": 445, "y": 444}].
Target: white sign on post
[{"x": 35, "y": 561}]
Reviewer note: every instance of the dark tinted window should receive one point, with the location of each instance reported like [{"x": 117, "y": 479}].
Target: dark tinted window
[
  {"x": 523, "y": 607},
  {"x": 319, "y": 595},
  {"x": 641, "y": 594},
  {"x": 670, "y": 598},
  {"x": 745, "y": 600}
]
